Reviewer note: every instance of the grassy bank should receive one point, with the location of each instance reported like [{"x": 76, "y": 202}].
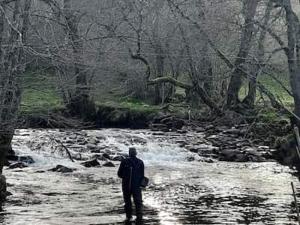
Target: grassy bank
[
  {"x": 41, "y": 95},
  {"x": 276, "y": 84}
]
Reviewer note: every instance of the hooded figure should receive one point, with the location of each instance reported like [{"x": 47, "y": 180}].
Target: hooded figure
[{"x": 131, "y": 171}]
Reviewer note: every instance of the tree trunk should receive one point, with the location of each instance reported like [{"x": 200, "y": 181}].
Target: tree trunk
[
  {"x": 249, "y": 100},
  {"x": 235, "y": 84},
  {"x": 12, "y": 65},
  {"x": 206, "y": 73},
  {"x": 189, "y": 88},
  {"x": 80, "y": 103},
  {"x": 160, "y": 64},
  {"x": 5, "y": 146},
  {"x": 292, "y": 54}
]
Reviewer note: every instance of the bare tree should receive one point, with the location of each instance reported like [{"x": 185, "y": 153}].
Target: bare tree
[
  {"x": 258, "y": 65},
  {"x": 13, "y": 37},
  {"x": 291, "y": 50},
  {"x": 249, "y": 11},
  {"x": 79, "y": 102}
]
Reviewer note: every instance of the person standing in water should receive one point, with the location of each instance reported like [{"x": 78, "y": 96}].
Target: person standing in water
[{"x": 131, "y": 171}]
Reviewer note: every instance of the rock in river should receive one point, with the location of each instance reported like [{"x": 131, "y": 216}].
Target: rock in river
[
  {"x": 106, "y": 156},
  {"x": 118, "y": 158},
  {"x": 17, "y": 165},
  {"x": 23, "y": 159},
  {"x": 62, "y": 169},
  {"x": 109, "y": 164},
  {"x": 91, "y": 163}
]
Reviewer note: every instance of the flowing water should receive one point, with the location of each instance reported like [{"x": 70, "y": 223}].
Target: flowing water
[{"x": 181, "y": 192}]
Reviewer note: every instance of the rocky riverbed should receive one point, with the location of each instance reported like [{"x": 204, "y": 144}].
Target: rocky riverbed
[{"x": 197, "y": 177}]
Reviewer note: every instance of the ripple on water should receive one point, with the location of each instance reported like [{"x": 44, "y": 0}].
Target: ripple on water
[{"x": 180, "y": 192}]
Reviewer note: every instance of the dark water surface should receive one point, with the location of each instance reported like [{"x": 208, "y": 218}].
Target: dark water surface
[{"x": 181, "y": 192}]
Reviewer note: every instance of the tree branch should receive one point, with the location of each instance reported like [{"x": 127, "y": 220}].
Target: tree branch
[{"x": 170, "y": 80}]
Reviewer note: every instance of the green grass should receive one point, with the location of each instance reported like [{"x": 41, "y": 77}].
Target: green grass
[
  {"x": 277, "y": 89},
  {"x": 39, "y": 93},
  {"x": 274, "y": 87},
  {"x": 131, "y": 104},
  {"x": 270, "y": 115}
]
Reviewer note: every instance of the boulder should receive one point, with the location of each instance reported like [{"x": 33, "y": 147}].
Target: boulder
[
  {"x": 229, "y": 155},
  {"x": 26, "y": 159},
  {"x": 118, "y": 158},
  {"x": 182, "y": 143},
  {"x": 62, "y": 169},
  {"x": 91, "y": 146},
  {"x": 166, "y": 123},
  {"x": 16, "y": 165},
  {"x": 240, "y": 157},
  {"x": 106, "y": 156},
  {"x": 255, "y": 158},
  {"x": 190, "y": 158},
  {"x": 159, "y": 127},
  {"x": 91, "y": 163},
  {"x": 193, "y": 149},
  {"x": 109, "y": 164},
  {"x": 99, "y": 157}
]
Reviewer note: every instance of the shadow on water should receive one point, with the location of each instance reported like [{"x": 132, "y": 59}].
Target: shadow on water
[
  {"x": 3, "y": 214},
  {"x": 151, "y": 217}
]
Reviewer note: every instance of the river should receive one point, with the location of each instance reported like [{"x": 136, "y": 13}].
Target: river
[{"x": 181, "y": 192}]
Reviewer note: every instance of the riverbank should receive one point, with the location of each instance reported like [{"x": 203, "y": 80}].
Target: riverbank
[{"x": 233, "y": 134}]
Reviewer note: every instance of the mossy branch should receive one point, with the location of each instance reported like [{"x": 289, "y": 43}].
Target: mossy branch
[{"x": 170, "y": 80}]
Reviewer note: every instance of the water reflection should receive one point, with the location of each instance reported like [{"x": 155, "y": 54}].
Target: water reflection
[
  {"x": 164, "y": 217},
  {"x": 224, "y": 198}
]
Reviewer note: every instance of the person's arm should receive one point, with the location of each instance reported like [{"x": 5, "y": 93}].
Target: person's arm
[
  {"x": 121, "y": 170},
  {"x": 143, "y": 169}
]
